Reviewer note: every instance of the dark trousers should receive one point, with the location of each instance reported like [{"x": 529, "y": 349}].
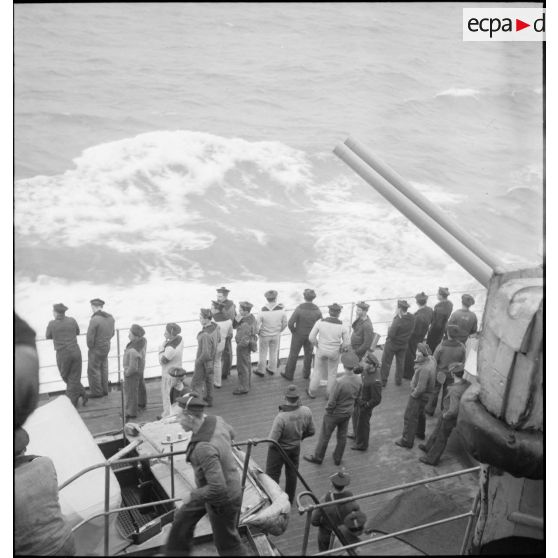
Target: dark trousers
[
  {"x": 223, "y": 519},
  {"x": 97, "y": 372},
  {"x": 389, "y": 352},
  {"x": 437, "y": 441},
  {"x": 329, "y": 424},
  {"x": 361, "y": 425},
  {"x": 226, "y": 358},
  {"x": 142, "y": 391},
  {"x": 409, "y": 367},
  {"x": 275, "y": 463},
  {"x": 433, "y": 399},
  {"x": 243, "y": 367},
  {"x": 131, "y": 392},
  {"x": 203, "y": 378},
  {"x": 414, "y": 421},
  {"x": 69, "y": 364},
  {"x": 298, "y": 342},
  {"x": 324, "y": 538}
]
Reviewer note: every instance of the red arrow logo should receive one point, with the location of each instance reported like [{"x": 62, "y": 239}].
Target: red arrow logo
[{"x": 519, "y": 25}]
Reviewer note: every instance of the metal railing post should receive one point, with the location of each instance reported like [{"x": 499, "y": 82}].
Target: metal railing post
[
  {"x": 172, "y": 470},
  {"x": 474, "y": 512},
  {"x": 246, "y": 463},
  {"x": 306, "y": 533},
  {"x": 107, "y": 505},
  {"x": 120, "y": 383}
]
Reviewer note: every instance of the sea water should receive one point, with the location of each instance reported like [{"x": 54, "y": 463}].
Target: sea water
[{"x": 164, "y": 150}]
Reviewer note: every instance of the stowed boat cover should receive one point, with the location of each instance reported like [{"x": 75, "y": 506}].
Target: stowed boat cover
[{"x": 57, "y": 431}]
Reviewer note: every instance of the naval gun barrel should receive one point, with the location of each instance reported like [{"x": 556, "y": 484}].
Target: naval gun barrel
[
  {"x": 430, "y": 209},
  {"x": 437, "y": 233}
]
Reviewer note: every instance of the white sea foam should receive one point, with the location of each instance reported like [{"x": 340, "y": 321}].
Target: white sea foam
[{"x": 459, "y": 92}]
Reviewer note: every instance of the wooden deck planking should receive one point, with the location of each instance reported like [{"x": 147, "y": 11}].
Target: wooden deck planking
[{"x": 383, "y": 465}]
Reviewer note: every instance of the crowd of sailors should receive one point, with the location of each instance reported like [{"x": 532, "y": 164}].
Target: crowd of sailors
[{"x": 428, "y": 347}]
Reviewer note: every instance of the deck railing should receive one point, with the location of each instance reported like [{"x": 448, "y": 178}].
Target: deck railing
[
  {"x": 336, "y": 551},
  {"x": 381, "y": 313}
]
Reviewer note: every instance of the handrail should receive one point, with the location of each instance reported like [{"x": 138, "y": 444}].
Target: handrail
[{"x": 310, "y": 508}]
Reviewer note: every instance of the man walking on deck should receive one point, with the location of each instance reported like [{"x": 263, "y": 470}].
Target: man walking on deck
[
  {"x": 272, "y": 320},
  {"x": 99, "y": 334},
  {"x": 246, "y": 343},
  {"x": 218, "y": 493},
  {"x": 292, "y": 424},
  {"x": 63, "y": 331},
  {"x": 437, "y": 441},
  {"x": 464, "y": 319},
  {"x": 423, "y": 319},
  {"x": 448, "y": 351},
  {"x": 396, "y": 343},
  {"x": 301, "y": 323},
  {"x": 208, "y": 341},
  {"x": 363, "y": 331},
  {"x": 229, "y": 310},
  {"x": 442, "y": 312},
  {"x": 414, "y": 421},
  {"x": 338, "y": 412}
]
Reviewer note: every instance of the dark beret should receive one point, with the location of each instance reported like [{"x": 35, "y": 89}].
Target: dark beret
[
  {"x": 363, "y": 305},
  {"x": 335, "y": 307},
  {"x": 341, "y": 478},
  {"x": 245, "y": 305},
  {"x": 309, "y": 294},
  {"x": 60, "y": 308},
  {"x": 205, "y": 313},
  {"x": 177, "y": 372},
  {"x": 97, "y": 302},
  {"x": 402, "y": 304},
  {"x": 452, "y": 330},
  {"x": 371, "y": 358},
  {"x": 456, "y": 367},
  {"x": 223, "y": 290},
  {"x": 270, "y": 295},
  {"x": 467, "y": 300},
  {"x": 349, "y": 360},
  {"x": 173, "y": 329},
  {"x": 137, "y": 330},
  {"x": 192, "y": 402},
  {"x": 443, "y": 291},
  {"x": 292, "y": 392},
  {"x": 421, "y": 298}
]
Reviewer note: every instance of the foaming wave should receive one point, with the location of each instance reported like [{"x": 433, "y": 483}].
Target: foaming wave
[{"x": 459, "y": 92}]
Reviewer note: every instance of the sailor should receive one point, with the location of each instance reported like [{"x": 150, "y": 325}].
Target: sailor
[
  {"x": 229, "y": 310},
  {"x": 301, "y": 323},
  {"x": 464, "y": 319},
  {"x": 292, "y": 424},
  {"x": 170, "y": 356},
  {"x": 369, "y": 396},
  {"x": 398, "y": 336},
  {"x": 442, "y": 312},
  {"x": 363, "y": 331},
  {"x": 39, "y": 525},
  {"x": 226, "y": 330},
  {"x": 338, "y": 411},
  {"x": 271, "y": 321},
  {"x": 218, "y": 493},
  {"x": 350, "y": 531},
  {"x": 208, "y": 341},
  {"x": 422, "y": 384},
  {"x": 133, "y": 363},
  {"x": 99, "y": 334},
  {"x": 246, "y": 343},
  {"x": 180, "y": 388},
  {"x": 63, "y": 331},
  {"x": 423, "y": 319},
  {"x": 325, "y": 518},
  {"x": 436, "y": 443},
  {"x": 331, "y": 337},
  {"x": 448, "y": 351}
]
